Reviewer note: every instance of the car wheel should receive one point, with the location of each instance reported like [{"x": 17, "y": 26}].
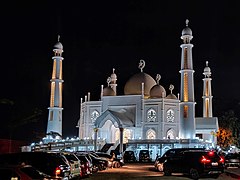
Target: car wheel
[
  {"x": 160, "y": 167},
  {"x": 194, "y": 173},
  {"x": 117, "y": 165}
]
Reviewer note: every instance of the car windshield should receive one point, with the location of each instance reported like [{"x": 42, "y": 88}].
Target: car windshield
[{"x": 206, "y": 154}]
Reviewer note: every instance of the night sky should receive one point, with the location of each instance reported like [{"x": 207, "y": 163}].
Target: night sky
[{"x": 100, "y": 35}]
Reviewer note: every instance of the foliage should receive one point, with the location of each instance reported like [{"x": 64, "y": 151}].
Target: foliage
[
  {"x": 229, "y": 127},
  {"x": 224, "y": 137}
]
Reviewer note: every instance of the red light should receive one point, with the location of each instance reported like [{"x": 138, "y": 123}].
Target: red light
[
  {"x": 57, "y": 171},
  {"x": 211, "y": 153},
  {"x": 221, "y": 160},
  {"x": 204, "y": 160}
]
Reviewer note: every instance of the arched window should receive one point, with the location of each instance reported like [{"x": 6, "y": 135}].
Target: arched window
[
  {"x": 171, "y": 134},
  {"x": 151, "y": 115},
  {"x": 151, "y": 134},
  {"x": 170, "y": 115},
  {"x": 94, "y": 115}
]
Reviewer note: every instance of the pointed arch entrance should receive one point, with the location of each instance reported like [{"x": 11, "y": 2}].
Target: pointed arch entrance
[
  {"x": 108, "y": 124},
  {"x": 109, "y": 132}
]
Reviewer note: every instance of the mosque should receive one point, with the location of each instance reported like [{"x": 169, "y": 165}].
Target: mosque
[{"x": 147, "y": 116}]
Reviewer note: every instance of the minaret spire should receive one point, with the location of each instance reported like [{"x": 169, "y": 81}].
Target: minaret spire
[
  {"x": 207, "y": 92},
  {"x": 187, "y": 84},
  {"x": 187, "y": 21},
  {"x": 55, "y": 109}
]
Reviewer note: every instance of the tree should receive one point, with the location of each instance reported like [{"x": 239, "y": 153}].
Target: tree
[
  {"x": 229, "y": 126},
  {"x": 224, "y": 137}
]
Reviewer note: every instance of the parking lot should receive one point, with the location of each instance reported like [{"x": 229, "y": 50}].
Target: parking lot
[{"x": 146, "y": 171}]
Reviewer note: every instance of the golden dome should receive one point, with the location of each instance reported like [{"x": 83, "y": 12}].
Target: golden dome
[
  {"x": 108, "y": 91},
  {"x": 171, "y": 96},
  {"x": 157, "y": 91},
  {"x": 134, "y": 84}
]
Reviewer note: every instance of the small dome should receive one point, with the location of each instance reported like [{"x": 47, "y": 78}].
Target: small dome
[
  {"x": 171, "y": 96},
  {"x": 58, "y": 45},
  {"x": 186, "y": 31},
  {"x": 113, "y": 76},
  {"x": 108, "y": 91},
  {"x": 134, "y": 84},
  {"x": 157, "y": 91},
  {"x": 207, "y": 70}
]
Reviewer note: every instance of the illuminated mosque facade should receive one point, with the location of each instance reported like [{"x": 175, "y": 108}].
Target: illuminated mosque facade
[{"x": 147, "y": 115}]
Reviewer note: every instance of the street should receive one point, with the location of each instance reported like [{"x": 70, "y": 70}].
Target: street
[{"x": 142, "y": 171}]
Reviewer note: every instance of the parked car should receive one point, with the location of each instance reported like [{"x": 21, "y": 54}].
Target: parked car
[
  {"x": 74, "y": 163},
  {"x": 87, "y": 154},
  {"x": 51, "y": 164},
  {"x": 232, "y": 160},
  {"x": 107, "y": 157},
  {"x": 112, "y": 159},
  {"x": 98, "y": 163},
  {"x": 195, "y": 163},
  {"x": 86, "y": 165},
  {"x": 158, "y": 164},
  {"x": 129, "y": 156},
  {"x": 144, "y": 156},
  {"x": 21, "y": 172}
]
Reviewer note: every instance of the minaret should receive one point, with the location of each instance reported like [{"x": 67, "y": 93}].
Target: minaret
[
  {"x": 187, "y": 85},
  {"x": 207, "y": 92},
  {"x": 55, "y": 109},
  {"x": 113, "y": 83}
]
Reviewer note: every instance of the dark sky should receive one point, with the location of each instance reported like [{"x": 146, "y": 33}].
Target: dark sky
[{"x": 100, "y": 35}]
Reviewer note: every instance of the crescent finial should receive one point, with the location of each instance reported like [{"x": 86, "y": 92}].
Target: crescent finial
[
  {"x": 171, "y": 87},
  {"x": 141, "y": 65},
  {"x": 158, "y": 77},
  {"x": 113, "y": 70},
  {"x": 58, "y": 38},
  {"x": 109, "y": 80}
]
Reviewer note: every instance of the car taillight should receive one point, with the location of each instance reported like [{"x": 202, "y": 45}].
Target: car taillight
[
  {"x": 221, "y": 160},
  {"x": 87, "y": 164},
  {"x": 57, "y": 171},
  {"x": 204, "y": 160}
]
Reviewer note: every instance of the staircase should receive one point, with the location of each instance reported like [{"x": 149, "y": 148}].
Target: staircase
[{"x": 106, "y": 147}]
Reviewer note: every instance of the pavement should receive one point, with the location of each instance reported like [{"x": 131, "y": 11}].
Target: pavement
[{"x": 233, "y": 172}]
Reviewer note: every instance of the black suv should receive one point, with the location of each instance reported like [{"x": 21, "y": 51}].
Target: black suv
[
  {"x": 194, "y": 163},
  {"x": 158, "y": 164}
]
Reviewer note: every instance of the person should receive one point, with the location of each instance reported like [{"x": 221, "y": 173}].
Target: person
[{"x": 113, "y": 157}]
